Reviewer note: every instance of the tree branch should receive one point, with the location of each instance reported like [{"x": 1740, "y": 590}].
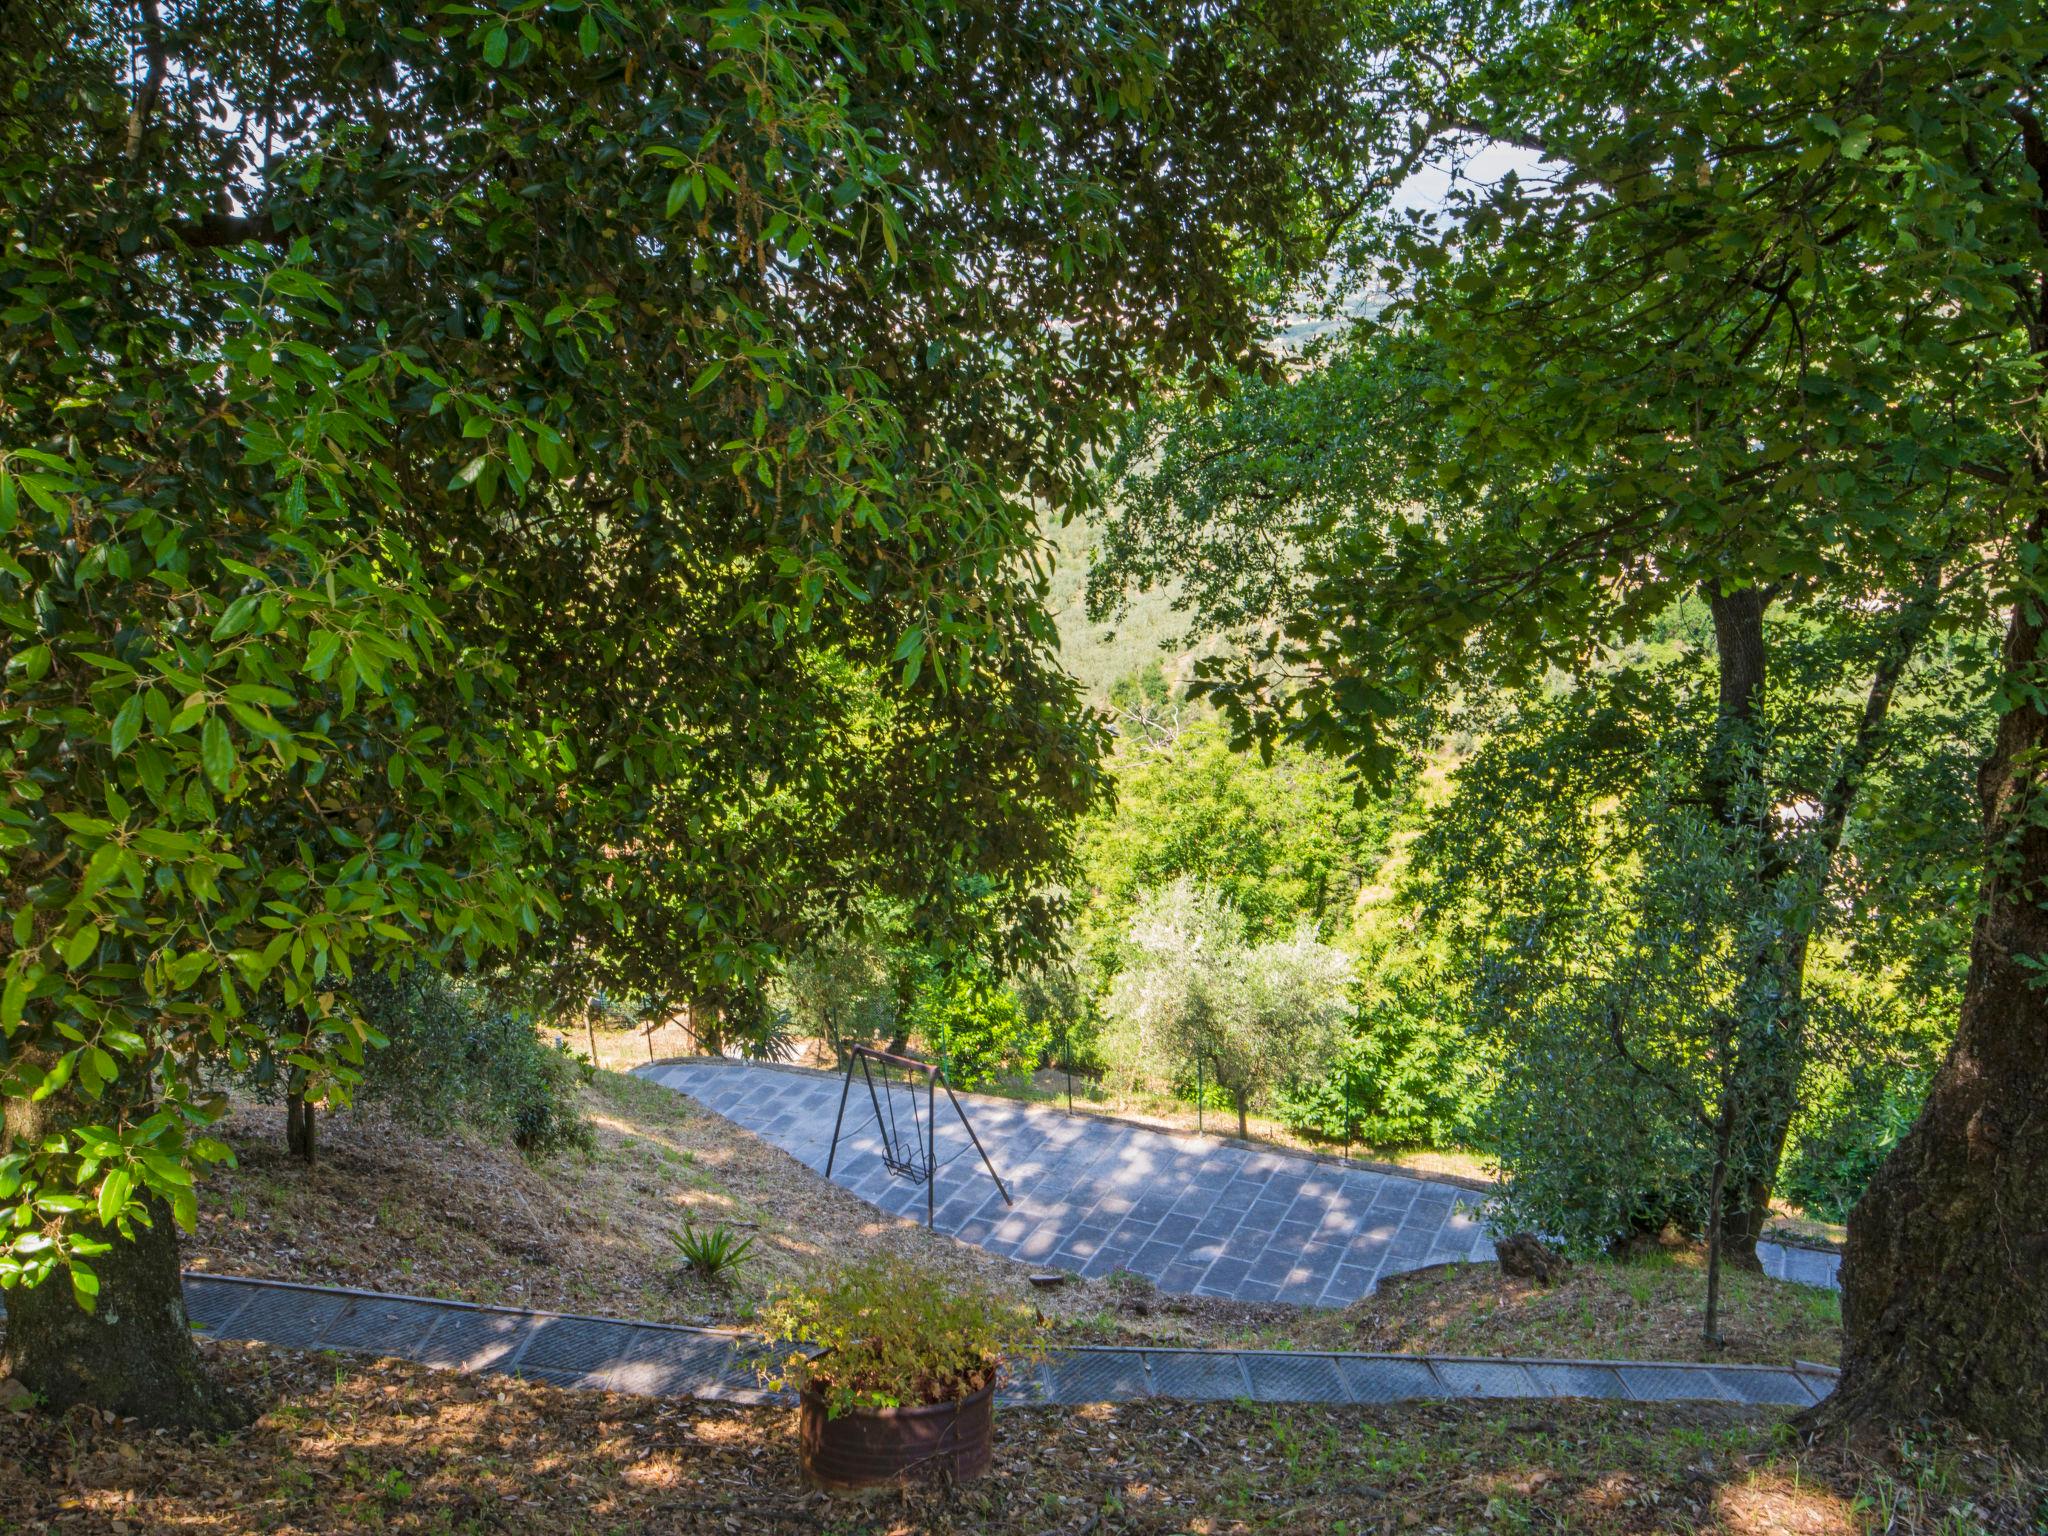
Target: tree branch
[{"x": 153, "y": 81}]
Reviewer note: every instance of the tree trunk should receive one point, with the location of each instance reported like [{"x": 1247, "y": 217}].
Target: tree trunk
[
  {"x": 1945, "y": 1280},
  {"x": 1775, "y": 1094},
  {"x": 1771, "y": 1093},
  {"x": 301, "y": 1136},
  {"x": 133, "y": 1354},
  {"x": 906, "y": 999},
  {"x": 1243, "y": 1133}
]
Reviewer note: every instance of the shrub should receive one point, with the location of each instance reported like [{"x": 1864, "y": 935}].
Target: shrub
[
  {"x": 978, "y": 1028},
  {"x": 1842, "y": 1137},
  {"x": 1406, "y": 1077},
  {"x": 1257, "y": 1016},
  {"x": 460, "y": 1052},
  {"x": 885, "y": 1334}
]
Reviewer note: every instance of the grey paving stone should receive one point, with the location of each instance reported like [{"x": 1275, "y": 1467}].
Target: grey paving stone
[
  {"x": 1295, "y": 1379},
  {"x": 1097, "y": 1376},
  {"x": 1671, "y": 1384},
  {"x": 1226, "y": 1277},
  {"x": 1388, "y": 1381},
  {"x": 210, "y": 1303},
  {"x": 294, "y": 1319},
  {"x": 1488, "y": 1378},
  {"x": 1183, "y": 1279},
  {"x": 573, "y": 1351},
  {"x": 1765, "y": 1386},
  {"x": 1579, "y": 1380},
  {"x": 1347, "y": 1284},
  {"x": 475, "y": 1341},
  {"x": 664, "y": 1362},
  {"x": 385, "y": 1325},
  {"x": 1199, "y": 1375},
  {"x": 741, "y": 1382},
  {"x": 1024, "y": 1384},
  {"x": 1231, "y": 1212}
]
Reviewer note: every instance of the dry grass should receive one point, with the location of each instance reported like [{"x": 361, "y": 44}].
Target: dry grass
[
  {"x": 389, "y": 1209},
  {"x": 349, "y": 1446},
  {"x": 1646, "y": 1309}
]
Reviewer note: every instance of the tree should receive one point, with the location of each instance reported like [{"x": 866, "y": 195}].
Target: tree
[
  {"x": 1196, "y": 992},
  {"x": 1764, "y": 320},
  {"x": 1282, "y": 842},
  {"x": 459, "y": 465},
  {"x": 1573, "y": 836}
]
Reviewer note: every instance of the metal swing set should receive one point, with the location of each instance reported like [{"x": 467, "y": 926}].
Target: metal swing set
[{"x": 910, "y": 1141}]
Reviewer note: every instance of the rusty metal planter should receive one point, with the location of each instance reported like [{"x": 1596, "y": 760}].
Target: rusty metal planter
[{"x": 866, "y": 1447}]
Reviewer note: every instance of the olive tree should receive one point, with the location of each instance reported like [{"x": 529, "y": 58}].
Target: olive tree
[{"x": 1195, "y": 993}]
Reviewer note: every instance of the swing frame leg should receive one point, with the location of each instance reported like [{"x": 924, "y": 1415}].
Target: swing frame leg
[
  {"x": 968, "y": 1124},
  {"x": 839, "y": 1119}
]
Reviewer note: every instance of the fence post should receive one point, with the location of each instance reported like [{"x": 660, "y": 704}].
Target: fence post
[{"x": 1067, "y": 1059}]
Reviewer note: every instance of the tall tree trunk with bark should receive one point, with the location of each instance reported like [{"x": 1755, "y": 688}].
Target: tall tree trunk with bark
[
  {"x": 133, "y": 1354},
  {"x": 1945, "y": 1280},
  {"x": 1769, "y": 1092}
]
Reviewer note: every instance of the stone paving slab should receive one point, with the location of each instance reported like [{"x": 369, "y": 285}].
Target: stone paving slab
[
  {"x": 1195, "y": 1215},
  {"x": 664, "y": 1360}
]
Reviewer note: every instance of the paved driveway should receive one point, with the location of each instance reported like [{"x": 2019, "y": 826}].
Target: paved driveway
[{"x": 1193, "y": 1214}]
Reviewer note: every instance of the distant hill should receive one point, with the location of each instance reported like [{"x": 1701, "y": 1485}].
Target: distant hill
[{"x": 1151, "y": 631}]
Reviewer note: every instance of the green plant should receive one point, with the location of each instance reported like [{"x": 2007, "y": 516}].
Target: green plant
[
  {"x": 712, "y": 1255},
  {"x": 458, "y": 1051},
  {"x": 884, "y": 1334},
  {"x": 977, "y": 1028}
]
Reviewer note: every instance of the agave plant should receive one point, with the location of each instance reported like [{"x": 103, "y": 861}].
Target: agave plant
[{"x": 713, "y": 1254}]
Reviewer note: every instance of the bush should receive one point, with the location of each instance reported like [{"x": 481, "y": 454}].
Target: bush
[
  {"x": 1842, "y": 1137},
  {"x": 1256, "y": 1016},
  {"x": 459, "y": 1052},
  {"x": 1406, "y": 1078},
  {"x": 885, "y": 1334},
  {"x": 977, "y": 1027}
]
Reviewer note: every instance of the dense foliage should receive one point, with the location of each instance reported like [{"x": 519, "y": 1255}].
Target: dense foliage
[
  {"x": 461, "y": 493},
  {"x": 1756, "y": 320},
  {"x": 1197, "y": 994}
]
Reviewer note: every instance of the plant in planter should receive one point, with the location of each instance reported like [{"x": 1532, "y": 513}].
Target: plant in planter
[{"x": 896, "y": 1373}]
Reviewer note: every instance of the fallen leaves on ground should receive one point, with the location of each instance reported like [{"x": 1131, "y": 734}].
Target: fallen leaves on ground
[{"x": 350, "y": 1445}]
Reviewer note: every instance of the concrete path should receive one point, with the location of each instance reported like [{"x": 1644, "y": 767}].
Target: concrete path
[
  {"x": 1195, "y": 1215},
  {"x": 660, "y": 1360}
]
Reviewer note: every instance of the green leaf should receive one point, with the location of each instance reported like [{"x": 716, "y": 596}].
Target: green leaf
[
  {"x": 15, "y": 998},
  {"x": 114, "y": 1194},
  {"x": 217, "y": 753},
  {"x": 127, "y": 725},
  {"x": 496, "y": 43},
  {"x": 85, "y": 1285},
  {"x": 79, "y": 947}
]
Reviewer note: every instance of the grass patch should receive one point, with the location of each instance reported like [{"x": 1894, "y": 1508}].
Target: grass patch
[
  {"x": 1648, "y": 1307},
  {"x": 387, "y": 1208}
]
